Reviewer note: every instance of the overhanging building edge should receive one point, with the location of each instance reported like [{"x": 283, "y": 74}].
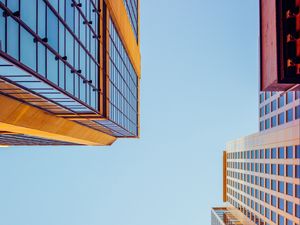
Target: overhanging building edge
[{"x": 21, "y": 118}]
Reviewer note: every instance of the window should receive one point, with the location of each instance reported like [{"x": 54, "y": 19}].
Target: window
[
  {"x": 273, "y": 201},
  {"x": 289, "y": 189},
  {"x": 289, "y": 222},
  {"x": 281, "y": 203},
  {"x": 281, "y": 118},
  {"x": 267, "y": 108},
  {"x": 262, "y": 194},
  {"x": 281, "y": 170},
  {"x": 262, "y": 168},
  {"x": 267, "y": 183},
  {"x": 267, "y": 123},
  {"x": 261, "y": 97},
  {"x": 297, "y": 209},
  {"x": 12, "y": 38},
  {"x": 274, "y": 153},
  {"x": 280, "y": 101},
  {"x": 273, "y": 169},
  {"x": 262, "y": 154},
  {"x": 256, "y": 167},
  {"x": 267, "y": 153},
  {"x": 273, "y": 121},
  {"x": 281, "y": 153},
  {"x": 297, "y": 169},
  {"x": 256, "y": 180},
  {"x": 267, "y": 168},
  {"x": 52, "y": 29},
  {"x": 280, "y": 220},
  {"x": 289, "y": 152},
  {"x": 289, "y": 170},
  {"x": 256, "y": 154},
  {"x": 252, "y": 154},
  {"x": 273, "y": 105},
  {"x": 261, "y": 125},
  {"x": 297, "y": 151},
  {"x": 2, "y": 34},
  {"x": 267, "y": 213},
  {"x": 289, "y": 97},
  {"x": 297, "y": 190},
  {"x": 267, "y": 95},
  {"x": 281, "y": 186},
  {"x": 289, "y": 207},
  {"x": 262, "y": 111},
  {"x": 273, "y": 216},
  {"x": 297, "y": 95},
  {"x": 27, "y": 45},
  {"x": 289, "y": 115},
  {"x": 297, "y": 112},
  {"x": 273, "y": 185},
  {"x": 267, "y": 198}
]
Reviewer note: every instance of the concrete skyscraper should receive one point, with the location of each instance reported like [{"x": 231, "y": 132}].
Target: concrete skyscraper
[{"x": 261, "y": 172}]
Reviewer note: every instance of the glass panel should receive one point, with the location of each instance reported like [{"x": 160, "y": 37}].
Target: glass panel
[
  {"x": 52, "y": 29},
  {"x": 41, "y": 19},
  {"x": 12, "y": 38},
  {"x": 52, "y": 68},
  {"x": 2, "y": 33},
  {"x": 70, "y": 14},
  {"x": 28, "y": 45},
  {"x": 41, "y": 59},
  {"x": 13, "y": 5},
  {"x": 69, "y": 81},
  {"x": 28, "y": 13}
]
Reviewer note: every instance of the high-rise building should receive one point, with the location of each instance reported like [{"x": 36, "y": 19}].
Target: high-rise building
[
  {"x": 261, "y": 172},
  {"x": 69, "y": 71}
]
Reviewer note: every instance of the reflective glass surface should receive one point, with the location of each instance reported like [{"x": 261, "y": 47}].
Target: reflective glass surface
[
  {"x": 56, "y": 40},
  {"x": 123, "y": 86}
]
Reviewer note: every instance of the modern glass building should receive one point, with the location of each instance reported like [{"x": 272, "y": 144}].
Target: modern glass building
[{"x": 74, "y": 61}]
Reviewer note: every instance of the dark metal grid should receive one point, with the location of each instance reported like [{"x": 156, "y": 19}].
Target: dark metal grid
[
  {"x": 46, "y": 45},
  {"x": 4, "y": 55},
  {"x": 29, "y": 102},
  {"x": 123, "y": 88}
]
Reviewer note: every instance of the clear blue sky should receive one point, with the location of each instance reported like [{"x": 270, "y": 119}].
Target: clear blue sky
[{"x": 198, "y": 91}]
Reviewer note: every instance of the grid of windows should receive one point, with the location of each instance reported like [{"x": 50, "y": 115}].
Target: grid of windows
[
  {"x": 123, "y": 86},
  {"x": 132, "y": 12},
  {"x": 273, "y": 109},
  {"x": 258, "y": 191},
  {"x": 61, "y": 37}
]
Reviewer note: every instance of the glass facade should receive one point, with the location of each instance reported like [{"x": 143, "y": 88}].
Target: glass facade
[
  {"x": 123, "y": 86},
  {"x": 132, "y": 12},
  {"x": 55, "y": 52},
  {"x": 56, "y": 43}
]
